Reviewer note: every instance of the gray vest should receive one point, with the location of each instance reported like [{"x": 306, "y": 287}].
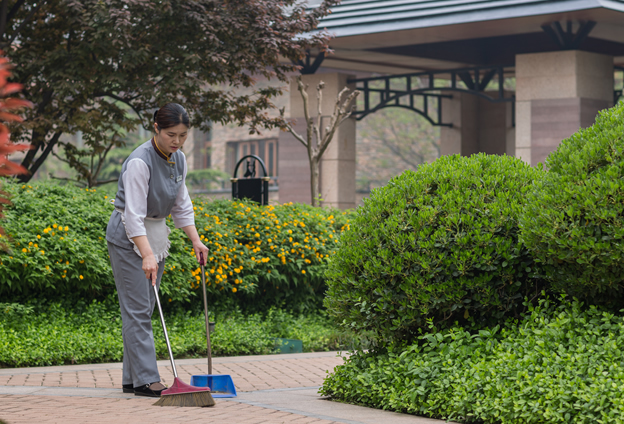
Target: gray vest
[{"x": 164, "y": 183}]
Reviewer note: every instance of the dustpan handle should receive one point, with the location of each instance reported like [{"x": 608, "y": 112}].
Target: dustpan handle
[
  {"x": 162, "y": 321},
  {"x": 203, "y": 279}
]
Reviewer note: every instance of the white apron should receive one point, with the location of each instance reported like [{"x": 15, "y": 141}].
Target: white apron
[{"x": 157, "y": 234}]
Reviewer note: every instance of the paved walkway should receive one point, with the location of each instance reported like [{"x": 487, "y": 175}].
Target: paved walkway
[{"x": 271, "y": 389}]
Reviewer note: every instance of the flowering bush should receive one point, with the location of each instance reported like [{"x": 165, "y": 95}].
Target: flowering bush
[{"x": 258, "y": 255}]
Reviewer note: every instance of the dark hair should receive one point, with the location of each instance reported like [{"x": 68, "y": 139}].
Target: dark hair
[{"x": 171, "y": 115}]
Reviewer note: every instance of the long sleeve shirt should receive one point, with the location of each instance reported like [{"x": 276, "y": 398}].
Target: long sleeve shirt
[{"x": 150, "y": 186}]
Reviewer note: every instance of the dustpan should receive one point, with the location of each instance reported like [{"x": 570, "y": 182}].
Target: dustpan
[{"x": 221, "y": 385}]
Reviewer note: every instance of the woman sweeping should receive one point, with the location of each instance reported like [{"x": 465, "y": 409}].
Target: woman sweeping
[{"x": 151, "y": 186}]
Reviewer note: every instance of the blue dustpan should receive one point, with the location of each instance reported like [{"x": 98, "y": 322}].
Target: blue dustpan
[{"x": 221, "y": 386}]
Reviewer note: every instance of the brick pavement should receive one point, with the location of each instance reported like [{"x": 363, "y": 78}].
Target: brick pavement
[
  {"x": 251, "y": 373},
  {"x": 273, "y": 389},
  {"x": 15, "y": 409}
]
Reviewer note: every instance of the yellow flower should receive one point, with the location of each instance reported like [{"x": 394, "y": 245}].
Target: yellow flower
[
  {"x": 38, "y": 236},
  {"x": 42, "y": 252},
  {"x": 289, "y": 231},
  {"x": 303, "y": 271},
  {"x": 24, "y": 250},
  {"x": 234, "y": 290},
  {"x": 81, "y": 277},
  {"x": 66, "y": 228},
  {"x": 54, "y": 225},
  {"x": 30, "y": 244}
]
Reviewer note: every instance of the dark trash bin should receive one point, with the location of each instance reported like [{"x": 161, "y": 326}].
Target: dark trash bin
[{"x": 249, "y": 186}]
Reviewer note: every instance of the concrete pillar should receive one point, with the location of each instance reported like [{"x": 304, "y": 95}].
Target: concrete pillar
[
  {"x": 463, "y": 137},
  {"x": 496, "y": 130},
  {"x": 337, "y": 176},
  {"x": 556, "y": 94},
  {"x": 479, "y": 125}
]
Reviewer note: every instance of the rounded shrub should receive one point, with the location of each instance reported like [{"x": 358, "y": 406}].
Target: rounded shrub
[
  {"x": 573, "y": 223},
  {"x": 436, "y": 246}
]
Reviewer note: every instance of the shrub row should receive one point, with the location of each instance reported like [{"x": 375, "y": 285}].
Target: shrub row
[
  {"x": 259, "y": 256},
  {"x": 51, "y": 334},
  {"x": 558, "y": 365},
  {"x": 466, "y": 239}
]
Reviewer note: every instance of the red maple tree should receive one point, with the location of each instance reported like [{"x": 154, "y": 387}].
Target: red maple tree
[{"x": 8, "y": 105}]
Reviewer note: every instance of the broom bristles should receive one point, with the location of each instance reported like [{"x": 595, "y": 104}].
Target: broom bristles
[{"x": 203, "y": 398}]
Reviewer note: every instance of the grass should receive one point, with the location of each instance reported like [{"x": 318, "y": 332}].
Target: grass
[{"x": 56, "y": 334}]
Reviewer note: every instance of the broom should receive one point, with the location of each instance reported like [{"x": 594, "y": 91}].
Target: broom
[{"x": 180, "y": 393}]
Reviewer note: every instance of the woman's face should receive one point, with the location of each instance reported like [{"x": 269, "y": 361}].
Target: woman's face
[{"x": 171, "y": 139}]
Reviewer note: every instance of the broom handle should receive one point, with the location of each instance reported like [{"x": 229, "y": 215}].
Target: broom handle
[
  {"x": 208, "y": 349},
  {"x": 162, "y": 321}
]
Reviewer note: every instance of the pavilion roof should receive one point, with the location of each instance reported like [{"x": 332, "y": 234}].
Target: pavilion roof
[{"x": 358, "y": 17}]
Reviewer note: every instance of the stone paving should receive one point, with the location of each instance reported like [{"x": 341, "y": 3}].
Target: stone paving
[{"x": 272, "y": 389}]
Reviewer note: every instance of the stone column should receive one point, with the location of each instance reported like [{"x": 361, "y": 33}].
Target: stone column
[
  {"x": 463, "y": 137},
  {"x": 337, "y": 177},
  {"x": 479, "y": 125},
  {"x": 496, "y": 131},
  {"x": 556, "y": 94}
]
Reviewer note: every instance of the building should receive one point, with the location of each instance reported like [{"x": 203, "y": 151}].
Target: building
[{"x": 497, "y": 76}]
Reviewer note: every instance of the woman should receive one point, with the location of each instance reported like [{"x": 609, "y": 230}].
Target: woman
[{"x": 151, "y": 186}]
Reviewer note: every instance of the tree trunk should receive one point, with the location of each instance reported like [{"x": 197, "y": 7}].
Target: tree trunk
[
  {"x": 314, "y": 181},
  {"x": 33, "y": 167}
]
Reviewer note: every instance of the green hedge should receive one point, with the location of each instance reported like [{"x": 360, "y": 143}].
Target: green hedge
[
  {"x": 573, "y": 223},
  {"x": 260, "y": 256},
  {"x": 50, "y": 333},
  {"x": 558, "y": 365},
  {"x": 434, "y": 247}
]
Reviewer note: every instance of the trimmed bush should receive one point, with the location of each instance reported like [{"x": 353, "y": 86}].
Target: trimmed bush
[
  {"x": 557, "y": 365},
  {"x": 50, "y": 333},
  {"x": 573, "y": 223},
  {"x": 436, "y": 246},
  {"x": 259, "y": 256}
]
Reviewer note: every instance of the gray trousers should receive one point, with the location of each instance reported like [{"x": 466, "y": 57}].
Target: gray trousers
[{"x": 136, "y": 302}]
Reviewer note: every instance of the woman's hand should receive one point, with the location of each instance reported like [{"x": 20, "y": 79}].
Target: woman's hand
[
  {"x": 150, "y": 267},
  {"x": 198, "y": 246}
]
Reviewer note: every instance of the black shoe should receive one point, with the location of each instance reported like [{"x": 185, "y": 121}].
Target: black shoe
[
  {"x": 151, "y": 390},
  {"x": 128, "y": 388}
]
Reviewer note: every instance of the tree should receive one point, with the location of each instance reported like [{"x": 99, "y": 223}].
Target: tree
[
  {"x": 317, "y": 140},
  {"x": 7, "y": 105},
  {"x": 86, "y": 63}
]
